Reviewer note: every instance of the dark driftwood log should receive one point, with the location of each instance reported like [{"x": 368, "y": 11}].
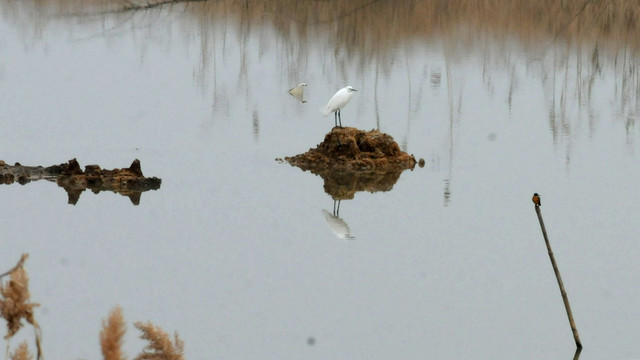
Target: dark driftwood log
[{"x": 128, "y": 182}]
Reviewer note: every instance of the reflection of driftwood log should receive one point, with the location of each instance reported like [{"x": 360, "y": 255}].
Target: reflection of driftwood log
[
  {"x": 351, "y": 160},
  {"x": 128, "y": 182}
]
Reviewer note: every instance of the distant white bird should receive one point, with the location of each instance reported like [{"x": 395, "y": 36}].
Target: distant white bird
[
  {"x": 337, "y": 102},
  {"x": 298, "y": 92}
]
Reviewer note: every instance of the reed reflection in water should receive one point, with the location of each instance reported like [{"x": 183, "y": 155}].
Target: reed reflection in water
[
  {"x": 575, "y": 49},
  {"x": 429, "y": 73}
]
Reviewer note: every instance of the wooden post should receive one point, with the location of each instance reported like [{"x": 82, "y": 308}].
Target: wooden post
[
  {"x": 565, "y": 299},
  {"x": 576, "y": 355}
]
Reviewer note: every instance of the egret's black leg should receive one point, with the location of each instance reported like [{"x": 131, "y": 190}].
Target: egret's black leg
[
  {"x": 340, "y": 118},
  {"x": 335, "y": 117}
]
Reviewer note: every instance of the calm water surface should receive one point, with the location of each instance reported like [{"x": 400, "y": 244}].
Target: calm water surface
[{"x": 234, "y": 251}]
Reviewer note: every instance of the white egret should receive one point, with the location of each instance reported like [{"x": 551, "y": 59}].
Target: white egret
[
  {"x": 298, "y": 92},
  {"x": 339, "y": 100}
]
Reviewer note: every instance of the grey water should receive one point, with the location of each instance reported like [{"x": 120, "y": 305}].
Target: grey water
[{"x": 235, "y": 253}]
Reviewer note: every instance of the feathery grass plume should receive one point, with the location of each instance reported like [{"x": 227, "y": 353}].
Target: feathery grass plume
[
  {"x": 20, "y": 263},
  {"x": 111, "y": 336},
  {"x": 15, "y": 304},
  {"x": 22, "y": 352},
  {"x": 160, "y": 346}
]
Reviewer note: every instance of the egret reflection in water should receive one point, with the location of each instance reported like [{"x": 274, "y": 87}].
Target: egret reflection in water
[
  {"x": 337, "y": 225},
  {"x": 343, "y": 185}
]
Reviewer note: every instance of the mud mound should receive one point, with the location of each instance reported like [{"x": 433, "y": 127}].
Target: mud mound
[{"x": 354, "y": 150}]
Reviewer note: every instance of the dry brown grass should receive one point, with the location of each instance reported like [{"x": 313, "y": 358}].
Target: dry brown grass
[
  {"x": 15, "y": 302},
  {"x": 366, "y": 24},
  {"x": 15, "y": 305},
  {"x": 160, "y": 345},
  {"x": 21, "y": 352},
  {"x": 111, "y": 336}
]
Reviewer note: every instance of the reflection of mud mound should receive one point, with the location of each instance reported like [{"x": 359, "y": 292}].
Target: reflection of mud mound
[
  {"x": 354, "y": 149},
  {"x": 128, "y": 182},
  {"x": 343, "y": 185},
  {"x": 351, "y": 160}
]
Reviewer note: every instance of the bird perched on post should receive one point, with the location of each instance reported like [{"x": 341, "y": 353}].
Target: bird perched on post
[
  {"x": 339, "y": 100},
  {"x": 536, "y": 199}
]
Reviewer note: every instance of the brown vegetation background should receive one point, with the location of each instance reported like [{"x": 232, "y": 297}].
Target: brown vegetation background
[
  {"x": 379, "y": 24},
  {"x": 16, "y": 306}
]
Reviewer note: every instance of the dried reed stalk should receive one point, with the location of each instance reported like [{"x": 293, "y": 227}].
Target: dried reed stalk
[
  {"x": 111, "y": 336},
  {"x": 160, "y": 346},
  {"x": 563, "y": 292}
]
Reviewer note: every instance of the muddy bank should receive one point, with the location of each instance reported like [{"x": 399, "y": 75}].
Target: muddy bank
[
  {"x": 351, "y": 160},
  {"x": 128, "y": 182}
]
